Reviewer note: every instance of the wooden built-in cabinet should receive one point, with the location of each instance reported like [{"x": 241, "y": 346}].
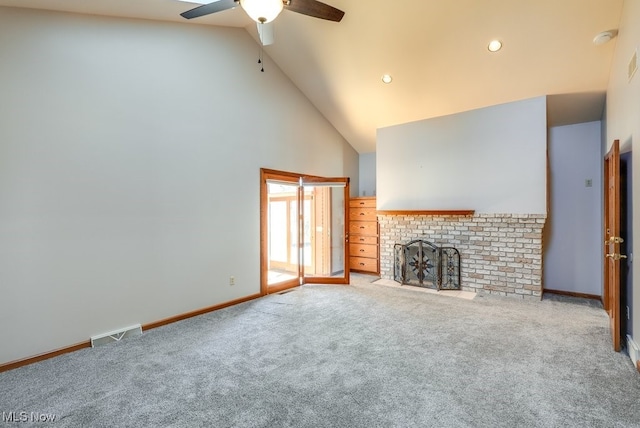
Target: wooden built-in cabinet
[{"x": 364, "y": 248}]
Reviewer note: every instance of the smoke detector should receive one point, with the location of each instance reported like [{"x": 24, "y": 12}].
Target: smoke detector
[{"x": 604, "y": 37}]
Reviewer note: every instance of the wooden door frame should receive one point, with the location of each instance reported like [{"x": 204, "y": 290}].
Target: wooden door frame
[
  {"x": 611, "y": 292},
  {"x": 290, "y": 177}
]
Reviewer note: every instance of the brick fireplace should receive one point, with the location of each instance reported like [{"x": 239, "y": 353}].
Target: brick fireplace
[{"x": 499, "y": 253}]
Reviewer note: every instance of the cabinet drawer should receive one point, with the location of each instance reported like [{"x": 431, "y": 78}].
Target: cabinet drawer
[
  {"x": 363, "y": 264},
  {"x": 363, "y": 228},
  {"x": 362, "y": 239},
  {"x": 363, "y": 250},
  {"x": 362, "y": 203},
  {"x": 362, "y": 214}
]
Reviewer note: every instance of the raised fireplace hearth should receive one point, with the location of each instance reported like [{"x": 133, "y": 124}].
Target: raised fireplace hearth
[{"x": 423, "y": 264}]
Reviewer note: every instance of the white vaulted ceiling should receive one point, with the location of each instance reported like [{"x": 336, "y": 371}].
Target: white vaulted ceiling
[{"x": 435, "y": 50}]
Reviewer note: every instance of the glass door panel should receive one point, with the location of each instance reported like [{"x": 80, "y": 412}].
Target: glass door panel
[
  {"x": 307, "y": 236},
  {"x": 282, "y": 232},
  {"x": 325, "y": 228}
]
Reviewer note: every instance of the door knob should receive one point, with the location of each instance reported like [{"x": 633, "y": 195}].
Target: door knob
[
  {"x": 616, "y": 256},
  {"x": 614, "y": 240}
]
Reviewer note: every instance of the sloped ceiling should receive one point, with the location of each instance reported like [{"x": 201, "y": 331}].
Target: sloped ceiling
[{"x": 435, "y": 50}]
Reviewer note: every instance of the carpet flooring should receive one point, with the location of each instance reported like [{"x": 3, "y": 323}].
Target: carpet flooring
[{"x": 363, "y": 355}]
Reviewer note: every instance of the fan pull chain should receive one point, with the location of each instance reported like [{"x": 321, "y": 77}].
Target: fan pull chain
[
  {"x": 261, "y": 32},
  {"x": 260, "y": 61}
]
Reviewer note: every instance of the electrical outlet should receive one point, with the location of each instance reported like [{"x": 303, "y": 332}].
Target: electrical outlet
[{"x": 232, "y": 280}]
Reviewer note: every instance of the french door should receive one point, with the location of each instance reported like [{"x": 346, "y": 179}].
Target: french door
[{"x": 303, "y": 230}]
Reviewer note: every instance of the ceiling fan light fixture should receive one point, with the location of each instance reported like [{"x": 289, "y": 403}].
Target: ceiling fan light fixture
[{"x": 262, "y": 10}]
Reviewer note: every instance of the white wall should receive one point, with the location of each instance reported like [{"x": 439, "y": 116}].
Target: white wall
[
  {"x": 129, "y": 170},
  {"x": 492, "y": 160},
  {"x": 367, "y": 174},
  {"x": 573, "y": 232},
  {"x": 623, "y": 116}
]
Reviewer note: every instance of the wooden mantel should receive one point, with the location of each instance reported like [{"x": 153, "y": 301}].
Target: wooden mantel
[{"x": 426, "y": 212}]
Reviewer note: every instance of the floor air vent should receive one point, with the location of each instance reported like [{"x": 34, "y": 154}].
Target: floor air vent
[{"x": 116, "y": 335}]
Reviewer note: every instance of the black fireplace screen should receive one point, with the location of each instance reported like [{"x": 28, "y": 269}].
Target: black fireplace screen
[{"x": 423, "y": 264}]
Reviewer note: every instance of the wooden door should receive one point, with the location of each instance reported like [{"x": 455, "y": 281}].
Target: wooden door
[
  {"x": 612, "y": 241},
  {"x": 280, "y": 206},
  {"x": 331, "y": 205}
]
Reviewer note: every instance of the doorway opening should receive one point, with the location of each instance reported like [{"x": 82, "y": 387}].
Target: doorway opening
[{"x": 303, "y": 230}]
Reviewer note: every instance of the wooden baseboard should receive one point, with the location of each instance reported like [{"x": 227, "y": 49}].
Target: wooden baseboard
[
  {"x": 45, "y": 356},
  {"x": 195, "y": 313},
  {"x": 573, "y": 294}
]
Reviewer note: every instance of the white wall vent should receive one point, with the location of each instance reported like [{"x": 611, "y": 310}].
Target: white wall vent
[
  {"x": 633, "y": 65},
  {"x": 116, "y": 335}
]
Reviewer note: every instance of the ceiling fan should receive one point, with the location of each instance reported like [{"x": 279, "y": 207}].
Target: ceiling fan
[{"x": 264, "y": 11}]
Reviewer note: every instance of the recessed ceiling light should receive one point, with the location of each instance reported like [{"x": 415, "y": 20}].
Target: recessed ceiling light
[
  {"x": 386, "y": 78},
  {"x": 494, "y": 45}
]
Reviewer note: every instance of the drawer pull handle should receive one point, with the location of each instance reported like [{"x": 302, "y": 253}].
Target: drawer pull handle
[
  {"x": 361, "y": 203},
  {"x": 362, "y": 227},
  {"x": 361, "y": 250},
  {"x": 362, "y": 239},
  {"x": 361, "y": 264}
]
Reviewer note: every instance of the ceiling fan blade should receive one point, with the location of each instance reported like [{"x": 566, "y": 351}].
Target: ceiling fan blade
[
  {"x": 206, "y": 9},
  {"x": 314, "y": 8}
]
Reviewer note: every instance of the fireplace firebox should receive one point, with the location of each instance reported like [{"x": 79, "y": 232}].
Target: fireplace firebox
[{"x": 423, "y": 264}]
